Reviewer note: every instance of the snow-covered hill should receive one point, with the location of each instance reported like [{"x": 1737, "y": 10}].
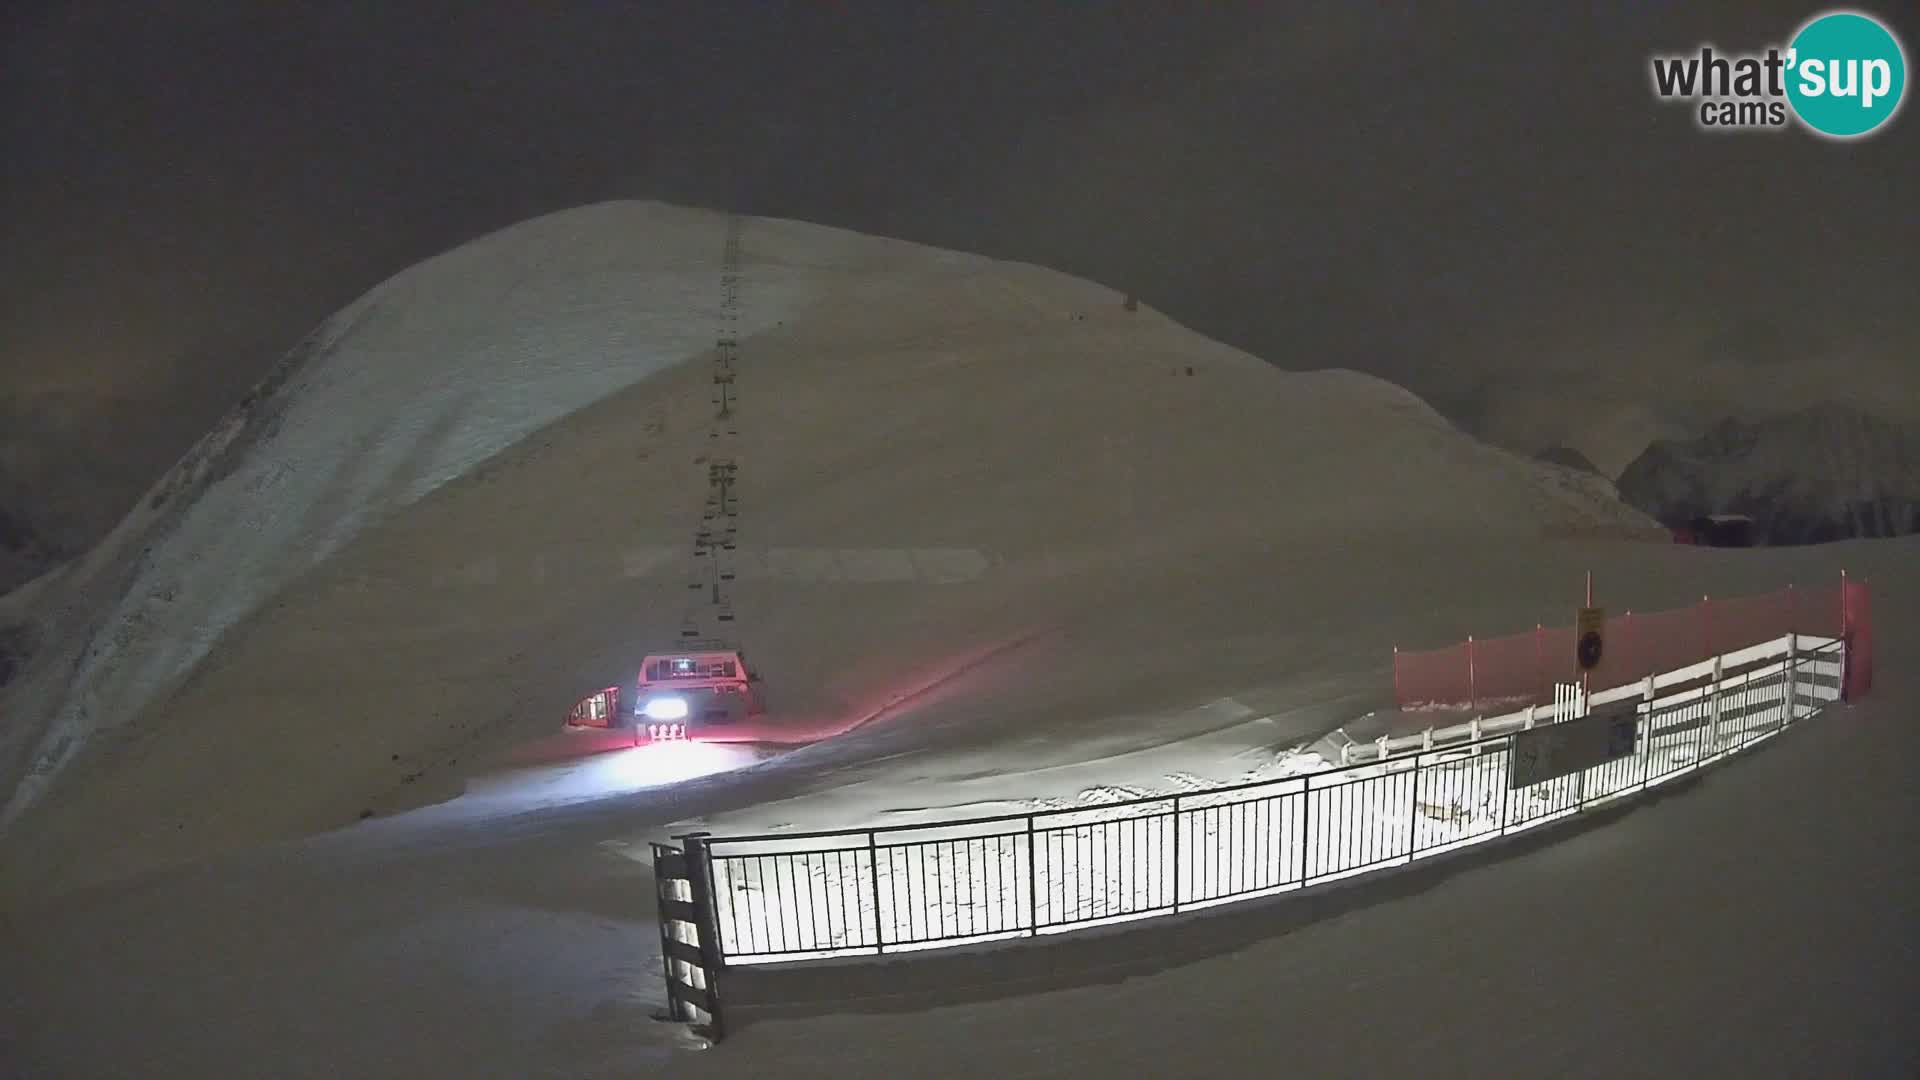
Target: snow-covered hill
[
  {"x": 275, "y": 628},
  {"x": 1822, "y": 473},
  {"x": 409, "y": 387}
]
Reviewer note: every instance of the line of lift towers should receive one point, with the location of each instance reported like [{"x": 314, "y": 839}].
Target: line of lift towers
[
  {"x": 710, "y": 584},
  {"x": 710, "y": 666},
  {"x": 703, "y": 679}
]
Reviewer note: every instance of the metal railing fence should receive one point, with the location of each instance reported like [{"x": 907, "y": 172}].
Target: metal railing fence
[{"x": 897, "y": 889}]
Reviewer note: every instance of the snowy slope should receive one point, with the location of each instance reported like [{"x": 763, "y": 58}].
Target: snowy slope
[{"x": 896, "y": 398}]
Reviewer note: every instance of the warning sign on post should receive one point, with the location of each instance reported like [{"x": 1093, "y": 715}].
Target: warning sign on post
[{"x": 1589, "y": 637}]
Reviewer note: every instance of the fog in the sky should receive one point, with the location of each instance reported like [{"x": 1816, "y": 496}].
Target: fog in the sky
[{"x": 1482, "y": 201}]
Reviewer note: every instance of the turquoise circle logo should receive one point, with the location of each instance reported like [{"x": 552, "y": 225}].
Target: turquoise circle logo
[{"x": 1846, "y": 75}]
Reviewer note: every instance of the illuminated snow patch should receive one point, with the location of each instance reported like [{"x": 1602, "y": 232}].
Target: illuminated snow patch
[{"x": 611, "y": 773}]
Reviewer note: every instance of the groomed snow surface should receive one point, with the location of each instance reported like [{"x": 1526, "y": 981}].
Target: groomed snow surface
[{"x": 443, "y": 523}]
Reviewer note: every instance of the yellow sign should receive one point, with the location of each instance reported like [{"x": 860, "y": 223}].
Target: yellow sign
[{"x": 1589, "y": 637}]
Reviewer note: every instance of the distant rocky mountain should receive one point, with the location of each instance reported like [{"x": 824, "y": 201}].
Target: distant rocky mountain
[
  {"x": 1827, "y": 472},
  {"x": 23, "y": 555},
  {"x": 14, "y": 533},
  {"x": 72, "y": 463},
  {"x": 1567, "y": 457}
]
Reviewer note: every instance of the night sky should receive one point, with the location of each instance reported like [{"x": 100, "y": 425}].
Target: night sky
[{"x": 1482, "y": 201}]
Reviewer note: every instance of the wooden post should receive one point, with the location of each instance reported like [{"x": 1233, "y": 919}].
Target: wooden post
[
  {"x": 1706, "y": 626},
  {"x": 1713, "y": 704},
  {"x": 1586, "y": 677},
  {"x": 1539, "y": 659},
  {"x": 1846, "y": 638},
  {"x": 1473, "y": 693},
  {"x": 1398, "y": 701},
  {"x": 1793, "y": 676},
  {"x": 1845, "y": 612}
]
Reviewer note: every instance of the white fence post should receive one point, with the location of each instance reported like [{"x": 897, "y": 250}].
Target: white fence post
[
  {"x": 1793, "y": 677},
  {"x": 1840, "y": 688},
  {"x": 1568, "y": 702},
  {"x": 1713, "y": 703}
]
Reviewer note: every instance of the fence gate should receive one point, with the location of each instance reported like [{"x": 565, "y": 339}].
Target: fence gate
[
  {"x": 689, "y": 943},
  {"x": 1569, "y": 701}
]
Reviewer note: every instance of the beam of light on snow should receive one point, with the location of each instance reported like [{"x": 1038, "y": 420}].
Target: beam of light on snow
[
  {"x": 611, "y": 773},
  {"x": 669, "y": 763}
]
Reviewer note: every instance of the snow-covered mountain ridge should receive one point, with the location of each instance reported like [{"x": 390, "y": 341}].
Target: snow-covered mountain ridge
[{"x": 1826, "y": 472}]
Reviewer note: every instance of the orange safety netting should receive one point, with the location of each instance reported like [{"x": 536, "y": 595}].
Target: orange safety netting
[
  {"x": 1856, "y": 626},
  {"x": 1522, "y": 668}
]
